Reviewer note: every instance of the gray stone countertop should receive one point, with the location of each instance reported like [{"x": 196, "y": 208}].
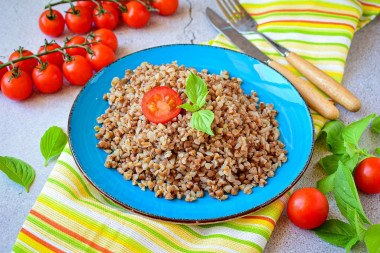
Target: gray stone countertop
[{"x": 23, "y": 123}]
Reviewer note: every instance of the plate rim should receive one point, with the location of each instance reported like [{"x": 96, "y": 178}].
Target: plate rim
[{"x": 190, "y": 221}]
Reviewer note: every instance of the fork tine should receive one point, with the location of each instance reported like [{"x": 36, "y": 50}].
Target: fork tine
[
  {"x": 225, "y": 12},
  {"x": 242, "y": 10}
]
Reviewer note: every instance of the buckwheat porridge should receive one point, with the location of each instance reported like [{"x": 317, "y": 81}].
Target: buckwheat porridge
[{"x": 174, "y": 159}]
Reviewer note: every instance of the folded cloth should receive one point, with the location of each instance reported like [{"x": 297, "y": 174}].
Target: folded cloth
[{"x": 70, "y": 215}]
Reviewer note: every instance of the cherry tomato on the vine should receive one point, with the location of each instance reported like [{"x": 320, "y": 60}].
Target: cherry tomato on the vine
[
  {"x": 3, "y": 70},
  {"x": 53, "y": 58},
  {"x": 165, "y": 7},
  {"x": 52, "y": 23},
  {"x": 137, "y": 15},
  {"x": 88, "y": 4},
  {"x": 102, "y": 56},
  {"x": 115, "y": 5},
  {"x": 367, "y": 175},
  {"x": 76, "y": 40},
  {"x": 79, "y": 20},
  {"x": 16, "y": 86},
  {"x": 108, "y": 38},
  {"x": 106, "y": 16},
  {"x": 308, "y": 208},
  {"x": 25, "y": 65},
  {"x": 47, "y": 80},
  {"x": 77, "y": 70},
  {"x": 159, "y": 104}
]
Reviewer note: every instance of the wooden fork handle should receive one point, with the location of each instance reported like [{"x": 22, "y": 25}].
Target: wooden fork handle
[
  {"x": 327, "y": 84},
  {"x": 312, "y": 97}
]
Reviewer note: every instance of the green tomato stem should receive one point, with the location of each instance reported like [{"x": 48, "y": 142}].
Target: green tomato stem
[{"x": 47, "y": 52}]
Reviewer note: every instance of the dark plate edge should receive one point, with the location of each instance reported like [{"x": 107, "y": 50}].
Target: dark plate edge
[{"x": 190, "y": 221}]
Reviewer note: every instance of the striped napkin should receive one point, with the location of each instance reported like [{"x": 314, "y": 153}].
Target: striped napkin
[{"x": 70, "y": 215}]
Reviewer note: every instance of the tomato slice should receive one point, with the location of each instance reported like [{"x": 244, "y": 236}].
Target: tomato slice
[{"x": 159, "y": 105}]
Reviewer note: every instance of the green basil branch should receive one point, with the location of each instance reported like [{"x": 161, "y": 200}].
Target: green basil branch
[
  {"x": 343, "y": 142},
  {"x": 52, "y": 143},
  {"x": 196, "y": 91}
]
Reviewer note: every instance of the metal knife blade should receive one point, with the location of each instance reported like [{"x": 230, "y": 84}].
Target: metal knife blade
[{"x": 235, "y": 37}]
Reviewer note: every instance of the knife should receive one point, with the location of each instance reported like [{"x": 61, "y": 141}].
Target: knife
[{"x": 312, "y": 97}]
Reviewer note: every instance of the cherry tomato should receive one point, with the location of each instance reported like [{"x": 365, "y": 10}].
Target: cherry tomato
[
  {"x": 77, "y": 70},
  {"x": 88, "y": 4},
  {"x": 52, "y": 23},
  {"x": 102, "y": 57},
  {"x": 165, "y": 7},
  {"x": 53, "y": 58},
  {"x": 108, "y": 17},
  {"x": 48, "y": 80},
  {"x": 76, "y": 40},
  {"x": 137, "y": 15},
  {"x": 3, "y": 70},
  {"x": 159, "y": 105},
  {"x": 367, "y": 175},
  {"x": 16, "y": 87},
  {"x": 25, "y": 65},
  {"x": 79, "y": 20},
  {"x": 108, "y": 38},
  {"x": 308, "y": 208},
  {"x": 115, "y": 5}
]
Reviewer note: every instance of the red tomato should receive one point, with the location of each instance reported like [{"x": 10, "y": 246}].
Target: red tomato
[
  {"x": 159, "y": 105},
  {"x": 16, "y": 87},
  {"x": 48, "y": 80},
  {"x": 108, "y": 38},
  {"x": 108, "y": 17},
  {"x": 76, "y": 40},
  {"x": 165, "y": 7},
  {"x": 80, "y": 21},
  {"x": 115, "y": 5},
  {"x": 308, "y": 208},
  {"x": 137, "y": 15},
  {"x": 77, "y": 70},
  {"x": 88, "y": 4},
  {"x": 25, "y": 65},
  {"x": 52, "y": 24},
  {"x": 102, "y": 57},
  {"x": 367, "y": 175},
  {"x": 53, "y": 58},
  {"x": 3, "y": 70}
]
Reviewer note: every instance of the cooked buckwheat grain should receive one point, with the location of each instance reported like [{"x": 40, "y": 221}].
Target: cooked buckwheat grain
[{"x": 178, "y": 161}]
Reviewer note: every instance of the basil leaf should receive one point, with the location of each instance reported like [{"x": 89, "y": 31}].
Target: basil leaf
[
  {"x": 376, "y": 124},
  {"x": 378, "y": 151},
  {"x": 52, "y": 143},
  {"x": 371, "y": 239},
  {"x": 335, "y": 232},
  {"x": 351, "y": 149},
  {"x": 326, "y": 184},
  {"x": 351, "y": 244},
  {"x": 18, "y": 171},
  {"x": 196, "y": 90},
  {"x": 202, "y": 121},
  {"x": 351, "y": 134},
  {"x": 189, "y": 107},
  {"x": 333, "y": 130},
  {"x": 330, "y": 163},
  {"x": 356, "y": 223},
  {"x": 346, "y": 194}
]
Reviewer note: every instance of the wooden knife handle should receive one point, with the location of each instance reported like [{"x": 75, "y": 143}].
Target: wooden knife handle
[
  {"x": 312, "y": 97},
  {"x": 326, "y": 83}
]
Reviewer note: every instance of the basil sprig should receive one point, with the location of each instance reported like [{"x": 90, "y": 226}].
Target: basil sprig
[
  {"x": 343, "y": 142},
  {"x": 52, "y": 143},
  {"x": 196, "y": 91},
  {"x": 18, "y": 171}
]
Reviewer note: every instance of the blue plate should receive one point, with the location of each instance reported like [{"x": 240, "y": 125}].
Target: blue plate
[{"x": 296, "y": 128}]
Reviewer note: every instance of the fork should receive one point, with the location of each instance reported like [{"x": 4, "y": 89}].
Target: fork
[{"x": 243, "y": 22}]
